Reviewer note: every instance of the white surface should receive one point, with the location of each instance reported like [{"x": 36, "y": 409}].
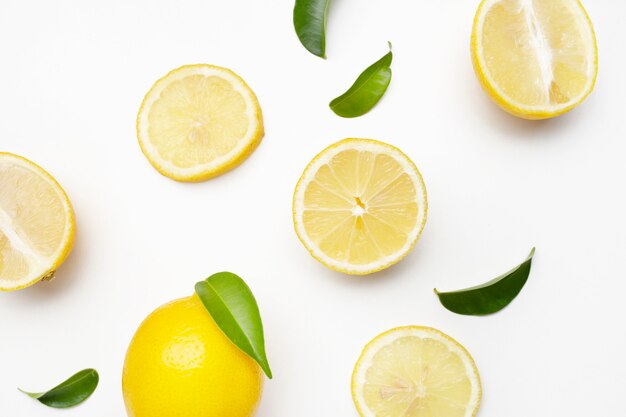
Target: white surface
[{"x": 72, "y": 78}]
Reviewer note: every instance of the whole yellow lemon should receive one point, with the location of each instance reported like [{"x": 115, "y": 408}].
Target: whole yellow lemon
[{"x": 180, "y": 364}]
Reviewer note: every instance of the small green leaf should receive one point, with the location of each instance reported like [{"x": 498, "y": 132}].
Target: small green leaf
[
  {"x": 69, "y": 393},
  {"x": 232, "y": 305},
  {"x": 309, "y": 20},
  {"x": 366, "y": 91},
  {"x": 490, "y": 297}
]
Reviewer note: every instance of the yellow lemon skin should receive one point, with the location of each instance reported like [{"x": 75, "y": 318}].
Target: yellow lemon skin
[{"x": 180, "y": 364}]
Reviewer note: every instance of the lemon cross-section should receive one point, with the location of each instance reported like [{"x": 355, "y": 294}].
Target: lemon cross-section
[
  {"x": 36, "y": 223},
  {"x": 360, "y": 206},
  {"x": 536, "y": 58},
  {"x": 199, "y": 121},
  {"x": 415, "y": 371}
]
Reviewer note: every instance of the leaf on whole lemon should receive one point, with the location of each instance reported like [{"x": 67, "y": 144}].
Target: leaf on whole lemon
[{"x": 232, "y": 305}]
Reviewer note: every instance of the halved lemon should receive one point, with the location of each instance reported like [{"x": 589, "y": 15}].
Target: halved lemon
[
  {"x": 198, "y": 122},
  {"x": 536, "y": 58},
  {"x": 36, "y": 223},
  {"x": 415, "y": 371},
  {"x": 360, "y": 206}
]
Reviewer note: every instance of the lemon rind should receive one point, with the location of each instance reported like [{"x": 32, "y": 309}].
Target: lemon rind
[
  {"x": 322, "y": 158},
  {"x": 383, "y": 339},
  {"x": 218, "y": 166}
]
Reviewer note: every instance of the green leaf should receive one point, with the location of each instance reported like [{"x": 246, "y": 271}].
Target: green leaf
[
  {"x": 490, "y": 297},
  {"x": 309, "y": 20},
  {"x": 232, "y": 305},
  {"x": 366, "y": 91},
  {"x": 69, "y": 393}
]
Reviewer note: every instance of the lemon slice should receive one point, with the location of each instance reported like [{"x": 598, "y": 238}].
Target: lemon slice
[
  {"x": 199, "y": 121},
  {"x": 415, "y": 371},
  {"x": 536, "y": 58},
  {"x": 360, "y": 206},
  {"x": 36, "y": 223}
]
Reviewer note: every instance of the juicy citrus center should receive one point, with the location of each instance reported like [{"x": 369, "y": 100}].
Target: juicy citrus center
[
  {"x": 539, "y": 53},
  {"x": 198, "y": 122},
  {"x": 36, "y": 222},
  {"x": 197, "y": 119},
  {"x": 364, "y": 204},
  {"x": 415, "y": 371},
  {"x": 426, "y": 376}
]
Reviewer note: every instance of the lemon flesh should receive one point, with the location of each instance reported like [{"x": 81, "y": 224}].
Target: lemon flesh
[
  {"x": 36, "y": 223},
  {"x": 360, "y": 206},
  {"x": 415, "y": 372},
  {"x": 536, "y": 58},
  {"x": 199, "y": 121},
  {"x": 180, "y": 364}
]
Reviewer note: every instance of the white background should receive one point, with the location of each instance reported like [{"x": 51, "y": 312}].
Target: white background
[{"x": 72, "y": 77}]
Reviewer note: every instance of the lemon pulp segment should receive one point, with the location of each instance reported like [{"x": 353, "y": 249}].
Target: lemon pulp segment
[
  {"x": 536, "y": 58},
  {"x": 415, "y": 372},
  {"x": 36, "y": 223},
  {"x": 360, "y": 206},
  {"x": 199, "y": 121}
]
